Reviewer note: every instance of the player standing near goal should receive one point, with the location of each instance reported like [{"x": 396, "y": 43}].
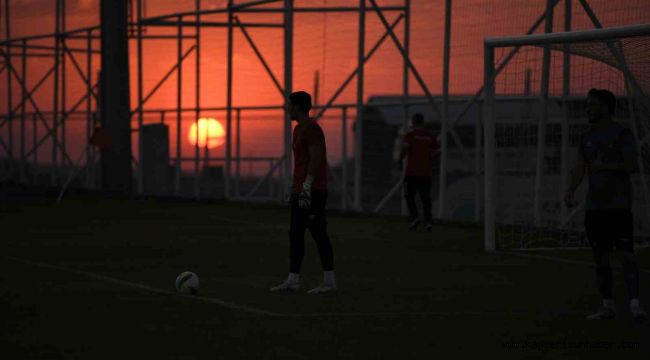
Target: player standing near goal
[
  {"x": 419, "y": 147},
  {"x": 308, "y": 196},
  {"x": 607, "y": 153}
]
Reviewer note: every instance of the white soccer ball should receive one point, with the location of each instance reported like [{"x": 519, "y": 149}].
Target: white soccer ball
[{"x": 187, "y": 283}]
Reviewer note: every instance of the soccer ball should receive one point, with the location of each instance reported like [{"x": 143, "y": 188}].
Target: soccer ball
[{"x": 187, "y": 283}]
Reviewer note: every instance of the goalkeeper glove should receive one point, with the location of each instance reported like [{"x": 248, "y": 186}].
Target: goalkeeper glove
[
  {"x": 288, "y": 193},
  {"x": 304, "y": 198}
]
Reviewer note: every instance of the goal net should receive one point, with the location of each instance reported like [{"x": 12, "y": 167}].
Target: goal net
[{"x": 534, "y": 115}]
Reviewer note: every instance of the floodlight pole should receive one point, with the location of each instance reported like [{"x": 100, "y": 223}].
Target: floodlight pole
[
  {"x": 34, "y": 139},
  {"x": 117, "y": 162},
  {"x": 358, "y": 134},
  {"x": 23, "y": 160},
  {"x": 140, "y": 99},
  {"x": 62, "y": 44},
  {"x": 10, "y": 144},
  {"x": 288, "y": 88},
  {"x": 197, "y": 115},
  {"x": 405, "y": 77},
  {"x": 55, "y": 98},
  {"x": 541, "y": 125},
  {"x": 238, "y": 153},
  {"x": 566, "y": 91},
  {"x": 91, "y": 152},
  {"x": 442, "y": 194},
  {"x": 229, "y": 101},
  {"x": 179, "y": 105}
]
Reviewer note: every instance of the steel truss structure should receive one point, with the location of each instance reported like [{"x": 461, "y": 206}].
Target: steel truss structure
[{"x": 188, "y": 26}]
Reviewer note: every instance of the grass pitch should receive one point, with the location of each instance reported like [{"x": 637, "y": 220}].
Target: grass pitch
[{"x": 93, "y": 279}]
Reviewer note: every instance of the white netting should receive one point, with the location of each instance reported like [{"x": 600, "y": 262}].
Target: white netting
[{"x": 519, "y": 113}]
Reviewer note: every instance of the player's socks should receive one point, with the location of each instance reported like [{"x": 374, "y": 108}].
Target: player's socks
[
  {"x": 328, "y": 277},
  {"x": 328, "y": 285},
  {"x": 414, "y": 224},
  {"x": 293, "y": 278},
  {"x": 636, "y": 310},
  {"x": 607, "y": 311},
  {"x": 292, "y": 283}
]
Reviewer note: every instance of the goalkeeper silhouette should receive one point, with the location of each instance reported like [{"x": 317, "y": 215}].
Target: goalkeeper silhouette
[{"x": 308, "y": 196}]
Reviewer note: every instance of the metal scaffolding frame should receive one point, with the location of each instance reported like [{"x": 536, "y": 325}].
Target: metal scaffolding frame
[
  {"x": 63, "y": 55},
  {"x": 68, "y": 44}
]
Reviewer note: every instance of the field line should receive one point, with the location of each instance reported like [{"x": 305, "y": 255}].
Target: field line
[
  {"x": 406, "y": 314},
  {"x": 543, "y": 257},
  {"x": 559, "y": 259},
  {"x": 148, "y": 288},
  {"x": 232, "y": 306}
]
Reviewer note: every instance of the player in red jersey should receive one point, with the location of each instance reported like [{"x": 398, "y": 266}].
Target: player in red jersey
[
  {"x": 308, "y": 196},
  {"x": 419, "y": 146}
]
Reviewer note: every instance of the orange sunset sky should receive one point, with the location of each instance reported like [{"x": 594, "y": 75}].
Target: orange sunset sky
[{"x": 323, "y": 42}]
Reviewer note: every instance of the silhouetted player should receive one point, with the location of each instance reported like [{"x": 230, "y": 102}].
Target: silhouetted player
[
  {"x": 419, "y": 146},
  {"x": 608, "y": 153},
  {"x": 308, "y": 196}
]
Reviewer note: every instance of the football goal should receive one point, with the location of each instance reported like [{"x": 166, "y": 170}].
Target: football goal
[{"x": 534, "y": 114}]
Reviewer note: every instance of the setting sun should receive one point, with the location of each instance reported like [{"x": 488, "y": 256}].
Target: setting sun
[{"x": 211, "y": 132}]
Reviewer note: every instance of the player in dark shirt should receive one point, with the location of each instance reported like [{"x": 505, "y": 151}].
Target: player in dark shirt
[
  {"x": 607, "y": 153},
  {"x": 308, "y": 196},
  {"x": 419, "y": 147}
]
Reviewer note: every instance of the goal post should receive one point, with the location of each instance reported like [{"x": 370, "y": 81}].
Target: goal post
[{"x": 530, "y": 138}]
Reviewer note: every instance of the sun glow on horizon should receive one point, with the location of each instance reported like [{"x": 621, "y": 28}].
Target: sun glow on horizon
[{"x": 210, "y": 133}]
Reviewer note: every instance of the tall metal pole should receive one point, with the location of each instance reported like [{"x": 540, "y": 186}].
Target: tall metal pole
[
  {"x": 23, "y": 161},
  {"x": 566, "y": 89},
  {"x": 489, "y": 226},
  {"x": 442, "y": 195},
  {"x": 116, "y": 112},
  {"x": 179, "y": 105},
  {"x": 9, "y": 84},
  {"x": 344, "y": 158},
  {"x": 229, "y": 101},
  {"x": 405, "y": 82},
  {"x": 140, "y": 98},
  {"x": 238, "y": 153},
  {"x": 358, "y": 135},
  {"x": 34, "y": 141},
  {"x": 64, "y": 81},
  {"x": 55, "y": 111},
  {"x": 89, "y": 114},
  {"x": 197, "y": 76},
  {"x": 288, "y": 88},
  {"x": 541, "y": 125}
]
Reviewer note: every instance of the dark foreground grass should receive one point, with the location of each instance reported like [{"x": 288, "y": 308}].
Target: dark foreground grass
[{"x": 402, "y": 294}]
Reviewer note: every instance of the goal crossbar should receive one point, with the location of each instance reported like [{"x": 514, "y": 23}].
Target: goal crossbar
[
  {"x": 570, "y": 37},
  {"x": 606, "y": 35}
]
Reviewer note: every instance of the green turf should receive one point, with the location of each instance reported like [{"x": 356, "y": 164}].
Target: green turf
[{"x": 402, "y": 294}]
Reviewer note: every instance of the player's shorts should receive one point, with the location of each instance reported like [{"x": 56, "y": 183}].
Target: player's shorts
[{"x": 608, "y": 228}]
